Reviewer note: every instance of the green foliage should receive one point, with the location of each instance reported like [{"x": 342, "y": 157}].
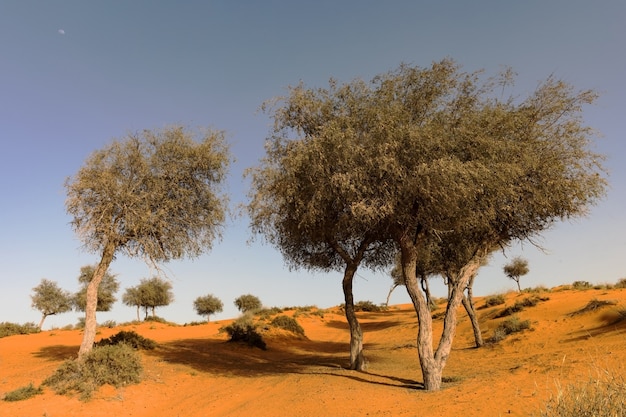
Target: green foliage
[
  {"x": 511, "y": 325},
  {"x": 521, "y": 305},
  {"x": 23, "y": 393},
  {"x": 494, "y": 300},
  {"x": 208, "y": 305},
  {"x": 10, "y": 329},
  {"x": 536, "y": 290},
  {"x": 106, "y": 290},
  {"x": 248, "y": 302},
  {"x": 117, "y": 365},
  {"x": 109, "y": 323},
  {"x": 515, "y": 269},
  {"x": 149, "y": 294},
  {"x": 49, "y": 299},
  {"x": 581, "y": 285},
  {"x": 287, "y": 323},
  {"x": 243, "y": 330},
  {"x": 368, "y": 306},
  {"x": 130, "y": 338},
  {"x": 602, "y": 396}
]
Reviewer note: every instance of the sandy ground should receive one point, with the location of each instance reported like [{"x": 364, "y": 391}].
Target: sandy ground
[{"x": 195, "y": 372}]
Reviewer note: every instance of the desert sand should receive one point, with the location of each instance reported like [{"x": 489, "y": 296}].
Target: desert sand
[{"x": 195, "y": 372}]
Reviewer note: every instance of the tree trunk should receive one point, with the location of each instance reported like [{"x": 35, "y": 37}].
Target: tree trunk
[
  {"x": 153, "y": 314},
  {"x": 43, "y": 317},
  {"x": 519, "y": 287},
  {"x": 432, "y": 362},
  {"x": 357, "y": 358},
  {"x": 138, "y": 318},
  {"x": 393, "y": 287},
  {"x": 468, "y": 303},
  {"x": 89, "y": 333}
]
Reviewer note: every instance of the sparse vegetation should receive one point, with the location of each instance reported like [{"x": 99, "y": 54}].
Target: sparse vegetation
[
  {"x": 511, "y": 325},
  {"x": 516, "y": 269},
  {"x": 23, "y": 393},
  {"x": 287, "y": 323},
  {"x": 581, "y": 285},
  {"x": 130, "y": 338},
  {"x": 208, "y": 305},
  {"x": 494, "y": 300},
  {"x": 602, "y": 396},
  {"x": 244, "y": 330},
  {"x": 117, "y": 365},
  {"x": 594, "y": 305},
  {"x": 621, "y": 283},
  {"x": 10, "y": 329},
  {"x": 536, "y": 290},
  {"x": 521, "y": 305}
]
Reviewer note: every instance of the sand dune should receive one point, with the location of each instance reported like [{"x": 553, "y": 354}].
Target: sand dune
[{"x": 195, "y": 372}]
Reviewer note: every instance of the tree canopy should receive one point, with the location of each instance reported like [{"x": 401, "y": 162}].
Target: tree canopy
[
  {"x": 106, "y": 290},
  {"x": 516, "y": 269},
  {"x": 154, "y": 195},
  {"x": 149, "y": 294},
  {"x": 422, "y": 155},
  {"x": 248, "y": 302},
  {"x": 49, "y": 299},
  {"x": 208, "y": 305}
]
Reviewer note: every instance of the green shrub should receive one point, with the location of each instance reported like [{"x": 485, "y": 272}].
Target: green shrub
[
  {"x": 593, "y": 305},
  {"x": 494, "y": 300},
  {"x": 521, "y": 305},
  {"x": 10, "y": 329},
  {"x": 109, "y": 323},
  {"x": 243, "y": 330},
  {"x": 509, "y": 326},
  {"x": 368, "y": 306},
  {"x": 117, "y": 365},
  {"x": 287, "y": 323},
  {"x": 537, "y": 289},
  {"x": 581, "y": 285},
  {"x": 129, "y": 338},
  {"x": 157, "y": 319},
  {"x": 23, "y": 393},
  {"x": 597, "y": 397},
  {"x": 266, "y": 313}
]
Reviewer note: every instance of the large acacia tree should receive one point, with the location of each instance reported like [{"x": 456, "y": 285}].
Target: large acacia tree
[
  {"x": 306, "y": 193},
  {"x": 155, "y": 195},
  {"x": 437, "y": 153}
]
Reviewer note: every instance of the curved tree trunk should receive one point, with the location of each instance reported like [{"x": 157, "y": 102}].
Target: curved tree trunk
[
  {"x": 43, "y": 317},
  {"x": 89, "y": 334},
  {"x": 357, "y": 358},
  {"x": 393, "y": 287},
  {"x": 468, "y": 303}
]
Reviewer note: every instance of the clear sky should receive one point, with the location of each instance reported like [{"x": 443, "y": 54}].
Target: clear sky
[{"x": 76, "y": 74}]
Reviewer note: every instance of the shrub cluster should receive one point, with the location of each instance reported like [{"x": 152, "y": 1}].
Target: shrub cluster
[
  {"x": 130, "y": 338},
  {"x": 520, "y": 305},
  {"x": 509, "y": 326},
  {"x": 243, "y": 330},
  {"x": 23, "y": 393},
  {"x": 10, "y": 329},
  {"x": 593, "y": 305},
  {"x": 288, "y": 323},
  {"x": 581, "y": 285},
  {"x": 597, "y": 397},
  {"x": 117, "y": 365},
  {"x": 494, "y": 300},
  {"x": 621, "y": 283}
]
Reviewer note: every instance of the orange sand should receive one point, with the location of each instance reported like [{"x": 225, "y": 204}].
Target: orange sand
[{"x": 195, "y": 372}]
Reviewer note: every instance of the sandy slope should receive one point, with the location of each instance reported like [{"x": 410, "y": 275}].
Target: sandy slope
[{"x": 194, "y": 372}]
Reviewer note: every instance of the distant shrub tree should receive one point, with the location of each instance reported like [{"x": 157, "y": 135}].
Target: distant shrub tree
[
  {"x": 150, "y": 294},
  {"x": 49, "y": 299},
  {"x": 248, "y": 302},
  {"x": 516, "y": 269},
  {"x": 106, "y": 291},
  {"x": 207, "y": 305}
]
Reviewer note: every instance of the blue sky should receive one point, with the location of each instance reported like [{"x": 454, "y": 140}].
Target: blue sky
[{"x": 76, "y": 74}]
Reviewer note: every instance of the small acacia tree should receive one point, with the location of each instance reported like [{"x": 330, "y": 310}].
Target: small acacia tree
[
  {"x": 248, "y": 302},
  {"x": 149, "y": 294},
  {"x": 154, "y": 195},
  {"x": 106, "y": 291},
  {"x": 517, "y": 268},
  {"x": 50, "y": 300},
  {"x": 208, "y": 305},
  {"x": 425, "y": 152},
  {"x": 132, "y": 298}
]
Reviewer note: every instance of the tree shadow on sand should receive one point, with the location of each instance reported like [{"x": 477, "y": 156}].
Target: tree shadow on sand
[{"x": 57, "y": 353}]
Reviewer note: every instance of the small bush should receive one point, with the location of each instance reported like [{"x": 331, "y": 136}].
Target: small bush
[
  {"x": 266, "y": 313},
  {"x": 368, "y": 306},
  {"x": 156, "y": 319},
  {"x": 109, "y": 323},
  {"x": 621, "y": 283},
  {"x": 536, "y": 290},
  {"x": 287, "y": 323},
  {"x": 581, "y": 285},
  {"x": 597, "y": 397},
  {"x": 593, "y": 305},
  {"x": 243, "y": 330},
  {"x": 494, "y": 300},
  {"x": 129, "y": 338},
  {"x": 521, "y": 305},
  {"x": 10, "y": 329},
  {"x": 509, "y": 326},
  {"x": 23, "y": 393},
  {"x": 117, "y": 365}
]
